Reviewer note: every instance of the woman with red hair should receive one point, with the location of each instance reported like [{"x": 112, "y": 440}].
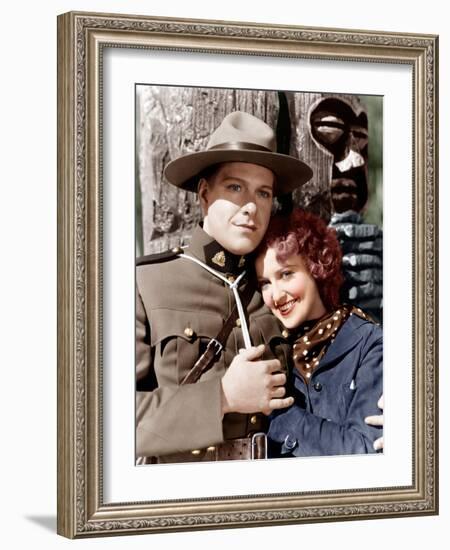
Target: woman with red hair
[{"x": 336, "y": 367}]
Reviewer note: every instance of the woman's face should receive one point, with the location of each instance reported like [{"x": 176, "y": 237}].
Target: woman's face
[{"x": 288, "y": 289}]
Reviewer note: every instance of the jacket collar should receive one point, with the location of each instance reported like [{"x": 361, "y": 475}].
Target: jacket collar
[
  {"x": 346, "y": 339},
  {"x": 209, "y": 251}
]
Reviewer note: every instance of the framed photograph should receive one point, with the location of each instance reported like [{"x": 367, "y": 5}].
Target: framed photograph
[{"x": 137, "y": 93}]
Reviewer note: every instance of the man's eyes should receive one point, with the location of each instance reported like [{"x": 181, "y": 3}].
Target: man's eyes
[
  {"x": 237, "y": 187},
  {"x": 234, "y": 187}
]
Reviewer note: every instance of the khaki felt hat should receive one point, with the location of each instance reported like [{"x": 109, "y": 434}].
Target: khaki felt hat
[{"x": 241, "y": 137}]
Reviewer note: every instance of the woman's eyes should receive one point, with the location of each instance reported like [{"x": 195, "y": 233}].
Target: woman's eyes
[
  {"x": 265, "y": 194},
  {"x": 287, "y": 274}
]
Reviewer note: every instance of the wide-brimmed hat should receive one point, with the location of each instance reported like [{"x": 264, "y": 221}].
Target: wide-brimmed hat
[{"x": 241, "y": 137}]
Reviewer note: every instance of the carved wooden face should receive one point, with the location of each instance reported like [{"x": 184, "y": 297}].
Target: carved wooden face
[{"x": 343, "y": 131}]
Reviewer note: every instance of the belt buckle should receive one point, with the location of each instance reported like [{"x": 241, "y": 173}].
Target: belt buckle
[
  {"x": 216, "y": 344},
  {"x": 254, "y": 443}
]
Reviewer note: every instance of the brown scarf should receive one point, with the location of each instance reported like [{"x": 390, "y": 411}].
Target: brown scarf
[{"x": 312, "y": 342}]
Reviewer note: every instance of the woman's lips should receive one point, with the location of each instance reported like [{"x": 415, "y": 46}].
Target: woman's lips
[{"x": 287, "y": 307}]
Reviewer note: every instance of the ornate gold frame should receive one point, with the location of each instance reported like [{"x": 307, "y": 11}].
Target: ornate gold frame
[{"x": 81, "y": 37}]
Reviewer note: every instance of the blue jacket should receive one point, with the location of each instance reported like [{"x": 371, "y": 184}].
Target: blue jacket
[{"x": 327, "y": 417}]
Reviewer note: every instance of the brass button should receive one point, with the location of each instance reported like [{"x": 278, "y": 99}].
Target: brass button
[
  {"x": 253, "y": 419},
  {"x": 211, "y": 449},
  {"x": 231, "y": 278},
  {"x": 285, "y": 333},
  {"x": 177, "y": 250},
  {"x": 196, "y": 452},
  {"x": 188, "y": 332},
  {"x": 238, "y": 322}
]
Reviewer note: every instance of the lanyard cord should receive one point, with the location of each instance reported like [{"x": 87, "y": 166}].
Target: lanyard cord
[{"x": 234, "y": 287}]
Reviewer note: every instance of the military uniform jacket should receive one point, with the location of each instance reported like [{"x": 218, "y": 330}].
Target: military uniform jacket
[
  {"x": 327, "y": 417},
  {"x": 180, "y": 306}
]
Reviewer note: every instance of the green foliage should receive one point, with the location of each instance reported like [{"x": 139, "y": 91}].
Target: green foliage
[{"x": 374, "y": 211}]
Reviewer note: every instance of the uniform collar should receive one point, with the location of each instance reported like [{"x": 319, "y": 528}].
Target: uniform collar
[{"x": 209, "y": 251}]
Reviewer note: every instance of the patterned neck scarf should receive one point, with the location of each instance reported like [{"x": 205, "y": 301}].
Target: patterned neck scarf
[{"x": 314, "y": 338}]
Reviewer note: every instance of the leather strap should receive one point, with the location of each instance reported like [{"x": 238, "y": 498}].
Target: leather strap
[{"x": 215, "y": 345}]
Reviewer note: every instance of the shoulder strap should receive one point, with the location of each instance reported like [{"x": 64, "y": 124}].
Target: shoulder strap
[{"x": 159, "y": 258}]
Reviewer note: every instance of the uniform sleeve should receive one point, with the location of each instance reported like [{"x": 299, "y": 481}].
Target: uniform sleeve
[
  {"x": 298, "y": 432},
  {"x": 171, "y": 419}
]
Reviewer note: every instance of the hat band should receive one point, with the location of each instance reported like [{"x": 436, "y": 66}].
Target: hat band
[{"x": 239, "y": 146}]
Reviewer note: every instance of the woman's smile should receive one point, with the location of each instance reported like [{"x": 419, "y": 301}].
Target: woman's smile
[{"x": 286, "y": 308}]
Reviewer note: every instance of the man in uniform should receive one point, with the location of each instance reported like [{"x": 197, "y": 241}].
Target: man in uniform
[{"x": 198, "y": 396}]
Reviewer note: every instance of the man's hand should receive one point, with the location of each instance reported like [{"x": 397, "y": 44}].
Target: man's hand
[
  {"x": 377, "y": 420},
  {"x": 251, "y": 386}
]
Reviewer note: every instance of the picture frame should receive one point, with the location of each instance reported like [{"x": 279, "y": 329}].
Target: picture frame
[{"x": 83, "y": 39}]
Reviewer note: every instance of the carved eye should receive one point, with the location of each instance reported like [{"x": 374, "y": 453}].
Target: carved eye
[
  {"x": 361, "y": 136},
  {"x": 328, "y": 129}
]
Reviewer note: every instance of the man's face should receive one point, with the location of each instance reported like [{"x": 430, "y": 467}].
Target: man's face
[{"x": 236, "y": 204}]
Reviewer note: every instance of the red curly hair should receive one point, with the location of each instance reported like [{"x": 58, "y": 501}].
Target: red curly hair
[{"x": 308, "y": 235}]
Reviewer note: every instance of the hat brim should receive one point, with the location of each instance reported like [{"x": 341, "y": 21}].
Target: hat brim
[{"x": 291, "y": 173}]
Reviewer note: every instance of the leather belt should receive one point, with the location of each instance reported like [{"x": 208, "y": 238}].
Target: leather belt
[{"x": 253, "y": 447}]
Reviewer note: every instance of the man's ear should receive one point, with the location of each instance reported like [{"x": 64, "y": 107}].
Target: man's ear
[{"x": 203, "y": 195}]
